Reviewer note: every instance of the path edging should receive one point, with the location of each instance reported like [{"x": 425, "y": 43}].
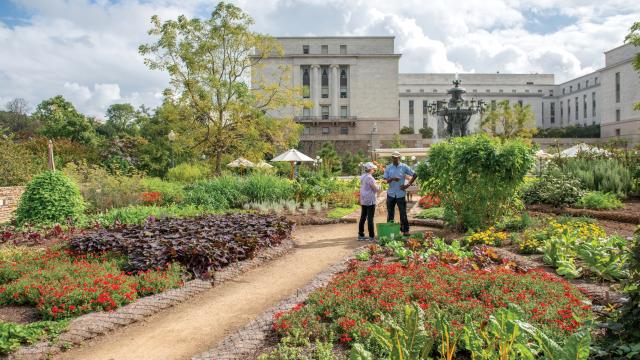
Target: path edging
[{"x": 97, "y": 324}]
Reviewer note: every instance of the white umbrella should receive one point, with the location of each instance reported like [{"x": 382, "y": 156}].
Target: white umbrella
[
  {"x": 241, "y": 163},
  {"x": 263, "y": 165},
  {"x": 292, "y": 156}
]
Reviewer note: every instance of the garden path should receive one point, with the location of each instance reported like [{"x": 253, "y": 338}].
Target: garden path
[{"x": 194, "y": 326}]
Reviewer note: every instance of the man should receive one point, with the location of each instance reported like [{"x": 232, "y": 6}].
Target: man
[{"x": 395, "y": 175}]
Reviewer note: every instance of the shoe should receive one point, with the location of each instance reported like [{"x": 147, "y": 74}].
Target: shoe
[
  {"x": 372, "y": 239},
  {"x": 362, "y": 238}
]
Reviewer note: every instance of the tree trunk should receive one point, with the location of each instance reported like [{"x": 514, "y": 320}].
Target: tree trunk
[{"x": 218, "y": 160}]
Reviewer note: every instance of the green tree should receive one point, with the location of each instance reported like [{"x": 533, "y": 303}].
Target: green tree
[
  {"x": 634, "y": 38},
  {"x": 397, "y": 142},
  {"x": 351, "y": 162},
  {"x": 17, "y": 163},
  {"x": 121, "y": 120},
  {"x": 60, "y": 119},
  {"x": 16, "y": 120},
  {"x": 330, "y": 158},
  {"x": 209, "y": 62},
  {"x": 508, "y": 122},
  {"x": 406, "y": 130},
  {"x": 426, "y": 132}
]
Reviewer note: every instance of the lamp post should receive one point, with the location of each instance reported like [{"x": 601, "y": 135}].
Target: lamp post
[
  {"x": 456, "y": 113},
  {"x": 172, "y": 137}
]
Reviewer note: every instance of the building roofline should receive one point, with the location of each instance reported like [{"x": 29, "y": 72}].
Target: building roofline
[
  {"x": 334, "y": 37},
  {"x": 617, "y": 47}
]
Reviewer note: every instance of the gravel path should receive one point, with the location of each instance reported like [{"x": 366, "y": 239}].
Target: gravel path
[{"x": 194, "y": 326}]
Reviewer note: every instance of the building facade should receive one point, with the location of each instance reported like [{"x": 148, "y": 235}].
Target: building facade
[{"x": 360, "y": 101}]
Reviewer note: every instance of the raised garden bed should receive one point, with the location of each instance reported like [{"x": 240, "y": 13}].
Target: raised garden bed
[{"x": 629, "y": 214}]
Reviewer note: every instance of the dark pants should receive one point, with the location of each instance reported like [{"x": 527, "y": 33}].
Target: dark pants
[
  {"x": 366, "y": 214},
  {"x": 391, "y": 211}
]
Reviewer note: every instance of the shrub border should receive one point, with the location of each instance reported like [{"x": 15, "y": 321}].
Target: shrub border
[{"x": 97, "y": 324}]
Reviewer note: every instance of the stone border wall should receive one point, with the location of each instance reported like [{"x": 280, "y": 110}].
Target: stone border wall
[
  {"x": 9, "y": 198},
  {"x": 96, "y": 324},
  {"x": 250, "y": 340}
]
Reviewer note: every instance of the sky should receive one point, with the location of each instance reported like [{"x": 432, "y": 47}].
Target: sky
[{"x": 87, "y": 50}]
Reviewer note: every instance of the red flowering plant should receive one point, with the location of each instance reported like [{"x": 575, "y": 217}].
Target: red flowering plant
[
  {"x": 358, "y": 297},
  {"x": 429, "y": 200},
  {"x": 60, "y": 284},
  {"x": 151, "y": 197}
]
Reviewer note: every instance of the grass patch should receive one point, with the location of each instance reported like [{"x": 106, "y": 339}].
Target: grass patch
[
  {"x": 340, "y": 212},
  {"x": 432, "y": 213}
]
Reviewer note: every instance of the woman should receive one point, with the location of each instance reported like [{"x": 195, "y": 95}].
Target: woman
[{"x": 368, "y": 190}]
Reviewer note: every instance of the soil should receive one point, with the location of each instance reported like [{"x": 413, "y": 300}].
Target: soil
[
  {"x": 196, "y": 325},
  {"x": 19, "y": 314}
]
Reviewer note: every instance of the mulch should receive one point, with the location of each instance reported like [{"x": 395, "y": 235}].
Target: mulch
[{"x": 19, "y": 314}]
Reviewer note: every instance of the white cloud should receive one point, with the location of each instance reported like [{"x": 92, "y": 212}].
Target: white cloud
[{"x": 87, "y": 50}]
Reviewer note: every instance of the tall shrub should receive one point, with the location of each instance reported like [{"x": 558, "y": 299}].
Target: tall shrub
[
  {"x": 600, "y": 174},
  {"x": 261, "y": 187},
  {"x": 475, "y": 177},
  {"x": 49, "y": 198},
  {"x": 219, "y": 193}
]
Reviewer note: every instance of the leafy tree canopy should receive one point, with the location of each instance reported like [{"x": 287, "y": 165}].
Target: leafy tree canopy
[{"x": 60, "y": 119}]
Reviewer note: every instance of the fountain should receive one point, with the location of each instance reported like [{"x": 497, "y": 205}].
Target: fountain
[{"x": 455, "y": 113}]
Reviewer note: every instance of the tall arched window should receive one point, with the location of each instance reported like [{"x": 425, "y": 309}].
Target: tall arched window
[
  {"x": 343, "y": 83},
  {"x": 325, "y": 83},
  {"x": 306, "y": 83}
]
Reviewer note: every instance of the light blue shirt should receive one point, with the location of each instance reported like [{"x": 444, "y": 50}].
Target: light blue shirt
[{"x": 400, "y": 171}]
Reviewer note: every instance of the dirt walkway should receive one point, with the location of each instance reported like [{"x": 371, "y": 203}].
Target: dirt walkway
[{"x": 196, "y": 325}]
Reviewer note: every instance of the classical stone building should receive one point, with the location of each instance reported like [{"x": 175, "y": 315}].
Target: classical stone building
[{"x": 360, "y": 101}]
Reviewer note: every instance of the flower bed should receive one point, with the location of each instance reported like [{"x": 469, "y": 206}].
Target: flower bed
[
  {"x": 200, "y": 244},
  {"x": 360, "y": 296}
]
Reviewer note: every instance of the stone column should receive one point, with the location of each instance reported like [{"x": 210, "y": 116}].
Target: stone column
[
  {"x": 315, "y": 89},
  {"x": 334, "y": 91}
]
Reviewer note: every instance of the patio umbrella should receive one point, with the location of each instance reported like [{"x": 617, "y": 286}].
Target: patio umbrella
[
  {"x": 241, "y": 163},
  {"x": 292, "y": 156},
  {"x": 263, "y": 165}
]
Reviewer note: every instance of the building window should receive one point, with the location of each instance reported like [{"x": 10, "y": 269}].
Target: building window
[
  {"x": 562, "y": 91},
  {"x": 577, "y": 107},
  {"x": 306, "y": 112},
  {"x": 488, "y": 90},
  {"x": 578, "y": 86},
  {"x": 552, "y": 115},
  {"x": 421, "y": 90},
  {"x": 344, "y": 111},
  {"x": 343, "y": 83},
  {"x": 325, "y": 131},
  {"x": 305, "y": 49},
  {"x": 500, "y": 91},
  {"x": 306, "y": 83},
  {"x": 586, "y": 83},
  {"x": 539, "y": 91},
  {"x": 529, "y": 82},
  {"x": 617, "y": 87},
  {"x": 513, "y": 91},
  {"x": 324, "y": 49},
  {"x": 475, "y": 90},
  {"x": 561, "y": 113},
  {"x": 425, "y": 113},
  {"x": 550, "y": 92},
  {"x": 343, "y": 49},
  {"x": 435, "y": 91},
  {"x": 520, "y": 103},
  {"x": 595, "y": 80},
  {"x": 306, "y": 130},
  {"x": 584, "y": 106},
  {"x": 344, "y": 131},
  {"x": 617, "y": 114},
  {"x": 570, "y": 89},
  {"x": 324, "y": 110},
  {"x": 411, "y": 116},
  {"x": 324, "y": 82},
  {"x": 526, "y": 90},
  {"x": 617, "y": 132},
  {"x": 593, "y": 104},
  {"x": 568, "y": 110},
  {"x": 407, "y": 90}
]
